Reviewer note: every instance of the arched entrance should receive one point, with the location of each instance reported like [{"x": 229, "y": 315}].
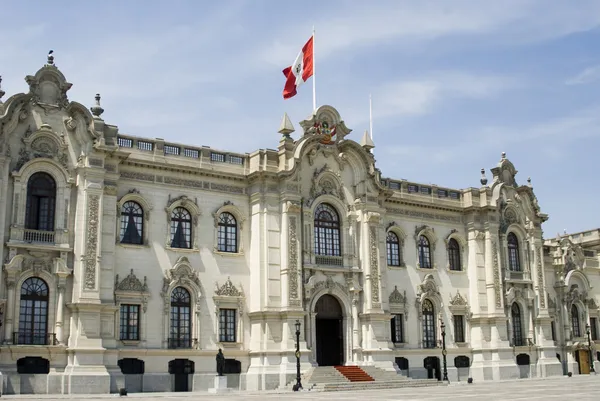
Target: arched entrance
[{"x": 329, "y": 331}]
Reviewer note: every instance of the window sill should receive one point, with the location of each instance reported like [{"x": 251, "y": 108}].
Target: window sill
[
  {"x": 131, "y": 342},
  {"x": 231, "y": 254},
  {"x": 462, "y": 344},
  {"x": 230, "y": 345},
  {"x": 462, "y": 271},
  {"x": 184, "y": 250},
  {"x": 426, "y": 269},
  {"x": 132, "y": 246},
  {"x": 399, "y": 267},
  {"x": 400, "y": 345}
]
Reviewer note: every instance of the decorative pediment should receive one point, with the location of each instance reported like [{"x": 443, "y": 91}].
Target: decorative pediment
[
  {"x": 316, "y": 283},
  {"x": 182, "y": 273},
  {"x": 325, "y": 181},
  {"x": 458, "y": 300},
  {"x": 227, "y": 289},
  {"x": 575, "y": 294},
  {"x": 48, "y": 86},
  {"x": 592, "y": 304},
  {"x": 43, "y": 143},
  {"x": 515, "y": 293},
  {"x": 327, "y": 124},
  {"x": 131, "y": 283},
  {"x": 505, "y": 172},
  {"x": 428, "y": 232},
  {"x": 396, "y": 297}
]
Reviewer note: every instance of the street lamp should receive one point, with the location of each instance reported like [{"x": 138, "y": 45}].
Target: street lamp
[
  {"x": 587, "y": 330},
  {"x": 444, "y": 352},
  {"x": 298, "y": 384}
]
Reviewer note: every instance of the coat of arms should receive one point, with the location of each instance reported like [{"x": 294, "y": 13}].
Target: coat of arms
[{"x": 323, "y": 128}]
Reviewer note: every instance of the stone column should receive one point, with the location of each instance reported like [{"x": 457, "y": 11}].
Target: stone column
[
  {"x": 355, "y": 325},
  {"x": 291, "y": 280},
  {"x": 10, "y": 309},
  {"x": 59, "y": 312}
]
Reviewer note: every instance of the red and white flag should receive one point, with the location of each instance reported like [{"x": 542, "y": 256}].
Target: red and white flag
[{"x": 300, "y": 71}]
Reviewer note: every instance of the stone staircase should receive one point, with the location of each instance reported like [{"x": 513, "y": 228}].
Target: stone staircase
[{"x": 329, "y": 378}]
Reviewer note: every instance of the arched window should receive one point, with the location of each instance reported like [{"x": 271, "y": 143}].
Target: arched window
[
  {"x": 41, "y": 201},
  {"x": 227, "y": 235},
  {"x": 33, "y": 313},
  {"x": 180, "y": 334},
  {"x": 575, "y": 321},
  {"x": 513, "y": 252},
  {"x": 454, "y": 254},
  {"x": 517, "y": 325},
  {"x": 327, "y": 231},
  {"x": 393, "y": 249},
  {"x": 132, "y": 223},
  {"x": 428, "y": 325},
  {"x": 181, "y": 228},
  {"x": 424, "y": 253}
]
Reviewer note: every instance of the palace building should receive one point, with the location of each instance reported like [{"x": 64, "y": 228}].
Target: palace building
[{"x": 128, "y": 261}]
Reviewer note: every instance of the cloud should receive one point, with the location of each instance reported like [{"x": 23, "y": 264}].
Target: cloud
[{"x": 587, "y": 76}]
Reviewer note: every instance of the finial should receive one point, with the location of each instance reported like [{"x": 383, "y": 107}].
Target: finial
[
  {"x": 503, "y": 155},
  {"x": 529, "y": 182},
  {"x": 565, "y": 231},
  {"x": 366, "y": 141},
  {"x": 286, "y": 127},
  {"x": 97, "y": 110},
  {"x": 50, "y": 57},
  {"x": 2, "y": 93},
  {"x": 483, "y": 179}
]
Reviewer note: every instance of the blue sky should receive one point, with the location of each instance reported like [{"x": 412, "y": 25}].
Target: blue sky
[{"x": 454, "y": 83}]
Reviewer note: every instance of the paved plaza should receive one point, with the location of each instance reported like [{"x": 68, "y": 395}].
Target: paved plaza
[{"x": 581, "y": 388}]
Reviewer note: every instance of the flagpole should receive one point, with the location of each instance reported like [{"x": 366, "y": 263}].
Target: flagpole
[
  {"x": 314, "y": 74},
  {"x": 371, "y": 116}
]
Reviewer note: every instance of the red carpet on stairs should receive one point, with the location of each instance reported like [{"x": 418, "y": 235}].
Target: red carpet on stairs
[{"x": 354, "y": 373}]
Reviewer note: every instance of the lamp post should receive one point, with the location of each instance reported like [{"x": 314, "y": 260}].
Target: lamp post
[
  {"x": 444, "y": 352},
  {"x": 587, "y": 330},
  {"x": 298, "y": 384}
]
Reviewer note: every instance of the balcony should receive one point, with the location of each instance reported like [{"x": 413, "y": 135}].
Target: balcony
[
  {"x": 38, "y": 236},
  {"x": 511, "y": 275},
  {"x": 329, "y": 260},
  {"x": 34, "y": 338},
  {"x": 181, "y": 343}
]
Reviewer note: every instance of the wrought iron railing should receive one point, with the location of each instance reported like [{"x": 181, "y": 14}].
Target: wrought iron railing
[
  {"x": 329, "y": 260},
  {"x": 516, "y": 275},
  {"x": 34, "y": 338}
]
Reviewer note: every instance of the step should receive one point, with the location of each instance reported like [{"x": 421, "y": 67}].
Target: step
[{"x": 354, "y": 373}]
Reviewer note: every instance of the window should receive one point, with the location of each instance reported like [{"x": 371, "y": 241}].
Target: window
[
  {"x": 41, "y": 200},
  {"x": 459, "y": 329},
  {"x": 130, "y": 322},
  {"x": 327, "y": 231},
  {"x": 428, "y": 325},
  {"x": 227, "y": 325},
  {"x": 180, "y": 319},
  {"x": 393, "y": 249},
  {"x": 594, "y": 328},
  {"x": 132, "y": 223},
  {"x": 553, "y": 330},
  {"x": 181, "y": 228},
  {"x": 33, "y": 313},
  {"x": 397, "y": 326},
  {"x": 454, "y": 254},
  {"x": 513, "y": 253},
  {"x": 227, "y": 236},
  {"x": 516, "y": 323},
  {"x": 575, "y": 321},
  {"x": 424, "y": 253}
]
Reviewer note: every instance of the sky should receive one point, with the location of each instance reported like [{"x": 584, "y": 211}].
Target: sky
[{"x": 454, "y": 83}]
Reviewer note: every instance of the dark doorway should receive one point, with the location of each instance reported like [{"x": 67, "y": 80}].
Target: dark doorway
[
  {"x": 33, "y": 365},
  {"x": 181, "y": 368},
  {"x": 432, "y": 364},
  {"x": 329, "y": 332}
]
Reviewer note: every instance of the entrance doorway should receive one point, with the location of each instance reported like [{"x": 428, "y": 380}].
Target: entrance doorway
[
  {"x": 181, "y": 369},
  {"x": 432, "y": 364},
  {"x": 329, "y": 331},
  {"x": 583, "y": 360}
]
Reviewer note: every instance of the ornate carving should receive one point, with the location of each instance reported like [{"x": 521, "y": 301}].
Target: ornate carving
[
  {"x": 92, "y": 242},
  {"x": 396, "y": 297},
  {"x": 551, "y": 303},
  {"x": 293, "y": 259},
  {"x": 458, "y": 300},
  {"x": 227, "y": 289},
  {"x": 592, "y": 304},
  {"x": 374, "y": 264},
  {"x": 323, "y": 185},
  {"x": 540, "y": 277},
  {"x": 131, "y": 283},
  {"x": 424, "y": 215},
  {"x": 182, "y": 273},
  {"x": 496, "y": 274},
  {"x": 428, "y": 288}
]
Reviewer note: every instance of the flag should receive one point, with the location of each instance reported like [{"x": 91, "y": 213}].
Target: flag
[{"x": 300, "y": 71}]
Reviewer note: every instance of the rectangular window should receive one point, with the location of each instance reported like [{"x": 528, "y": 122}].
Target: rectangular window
[
  {"x": 459, "y": 329},
  {"x": 553, "y": 330},
  {"x": 217, "y": 157},
  {"x": 394, "y": 185},
  {"x": 227, "y": 325},
  {"x": 144, "y": 145},
  {"x": 236, "y": 160},
  {"x": 442, "y": 193},
  {"x": 425, "y": 190},
  {"x": 171, "y": 150},
  {"x": 413, "y": 188},
  {"x": 453, "y": 195},
  {"x": 130, "y": 322},
  {"x": 125, "y": 142},
  {"x": 397, "y": 326},
  {"x": 594, "y": 328},
  {"x": 193, "y": 153}
]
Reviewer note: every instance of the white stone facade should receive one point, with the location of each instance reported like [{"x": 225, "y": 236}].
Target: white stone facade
[{"x": 461, "y": 257}]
